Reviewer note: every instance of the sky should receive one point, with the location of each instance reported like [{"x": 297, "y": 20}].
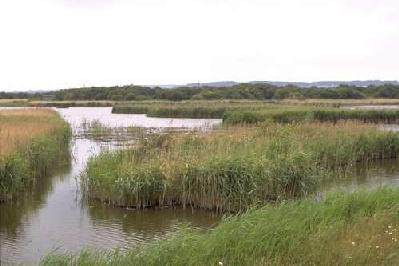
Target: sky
[{"x": 56, "y": 44}]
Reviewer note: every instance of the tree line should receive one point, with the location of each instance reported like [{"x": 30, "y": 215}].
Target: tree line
[{"x": 240, "y": 91}]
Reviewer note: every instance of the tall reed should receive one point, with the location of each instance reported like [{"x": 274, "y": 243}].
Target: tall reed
[
  {"x": 233, "y": 168},
  {"x": 32, "y": 143},
  {"x": 298, "y": 114}
]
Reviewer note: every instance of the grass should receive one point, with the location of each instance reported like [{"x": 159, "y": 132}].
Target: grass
[
  {"x": 31, "y": 142},
  {"x": 342, "y": 229},
  {"x": 188, "y": 109},
  {"x": 235, "y": 167},
  {"x": 65, "y": 104},
  {"x": 13, "y": 102},
  {"x": 291, "y": 114},
  {"x": 250, "y": 112}
]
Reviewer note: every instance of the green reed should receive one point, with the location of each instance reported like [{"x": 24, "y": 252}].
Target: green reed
[
  {"x": 35, "y": 159},
  {"x": 233, "y": 168}
]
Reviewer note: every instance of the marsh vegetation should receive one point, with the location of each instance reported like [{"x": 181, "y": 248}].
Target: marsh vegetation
[
  {"x": 32, "y": 142},
  {"x": 234, "y": 167}
]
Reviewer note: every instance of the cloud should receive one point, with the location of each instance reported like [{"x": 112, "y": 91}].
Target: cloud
[{"x": 59, "y": 44}]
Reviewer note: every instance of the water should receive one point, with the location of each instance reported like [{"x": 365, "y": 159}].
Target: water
[
  {"x": 365, "y": 176},
  {"x": 53, "y": 218}
]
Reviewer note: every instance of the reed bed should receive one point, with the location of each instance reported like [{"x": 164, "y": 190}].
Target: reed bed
[
  {"x": 358, "y": 228},
  {"x": 32, "y": 141},
  {"x": 250, "y": 112},
  {"x": 189, "y": 109},
  {"x": 233, "y": 167},
  {"x": 299, "y": 114}
]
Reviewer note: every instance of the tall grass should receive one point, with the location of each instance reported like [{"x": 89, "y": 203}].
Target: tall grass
[
  {"x": 32, "y": 142},
  {"x": 342, "y": 229},
  {"x": 233, "y": 168},
  {"x": 298, "y": 114}
]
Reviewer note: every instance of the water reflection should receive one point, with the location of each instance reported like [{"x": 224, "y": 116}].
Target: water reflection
[{"x": 365, "y": 175}]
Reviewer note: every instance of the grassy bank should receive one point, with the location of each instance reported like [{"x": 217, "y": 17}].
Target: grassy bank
[
  {"x": 32, "y": 143},
  {"x": 59, "y": 104},
  {"x": 234, "y": 167},
  {"x": 342, "y": 229},
  {"x": 14, "y": 102},
  {"x": 65, "y": 104}
]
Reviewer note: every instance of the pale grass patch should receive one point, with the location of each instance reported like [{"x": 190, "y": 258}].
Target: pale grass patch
[{"x": 20, "y": 126}]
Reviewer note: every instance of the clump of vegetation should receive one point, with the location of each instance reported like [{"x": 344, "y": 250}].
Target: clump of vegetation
[
  {"x": 356, "y": 229},
  {"x": 95, "y": 128},
  {"x": 233, "y": 168},
  {"x": 31, "y": 143}
]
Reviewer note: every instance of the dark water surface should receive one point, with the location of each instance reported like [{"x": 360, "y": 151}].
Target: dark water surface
[{"x": 54, "y": 218}]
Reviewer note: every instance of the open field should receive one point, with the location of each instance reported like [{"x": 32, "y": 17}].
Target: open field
[
  {"x": 60, "y": 104},
  {"x": 14, "y": 102},
  {"x": 30, "y": 142},
  {"x": 342, "y": 229}
]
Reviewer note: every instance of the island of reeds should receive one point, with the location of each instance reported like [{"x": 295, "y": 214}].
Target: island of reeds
[{"x": 33, "y": 144}]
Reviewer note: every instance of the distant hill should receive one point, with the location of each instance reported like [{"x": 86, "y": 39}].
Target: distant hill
[
  {"x": 331, "y": 84},
  {"x": 217, "y": 84},
  {"x": 320, "y": 84}
]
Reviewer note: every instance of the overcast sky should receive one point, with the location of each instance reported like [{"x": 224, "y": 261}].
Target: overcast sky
[{"x": 54, "y": 44}]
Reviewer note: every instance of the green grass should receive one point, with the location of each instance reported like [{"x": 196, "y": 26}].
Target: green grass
[
  {"x": 250, "y": 112},
  {"x": 233, "y": 168},
  {"x": 342, "y": 229},
  {"x": 299, "y": 114}
]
